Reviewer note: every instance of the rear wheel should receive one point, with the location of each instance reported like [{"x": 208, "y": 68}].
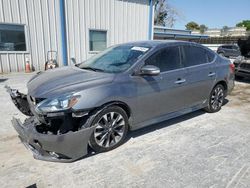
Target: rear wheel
[
  {"x": 111, "y": 129},
  {"x": 216, "y": 99}
]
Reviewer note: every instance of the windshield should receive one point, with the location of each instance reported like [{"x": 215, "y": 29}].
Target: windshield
[{"x": 115, "y": 59}]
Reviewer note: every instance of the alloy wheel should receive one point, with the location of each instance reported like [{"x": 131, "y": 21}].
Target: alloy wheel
[
  {"x": 217, "y": 98},
  {"x": 109, "y": 129}
]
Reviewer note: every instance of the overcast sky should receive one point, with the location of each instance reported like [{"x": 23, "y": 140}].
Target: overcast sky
[{"x": 213, "y": 13}]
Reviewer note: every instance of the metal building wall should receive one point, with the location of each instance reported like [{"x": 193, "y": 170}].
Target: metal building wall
[
  {"x": 42, "y": 24},
  {"x": 124, "y": 20}
]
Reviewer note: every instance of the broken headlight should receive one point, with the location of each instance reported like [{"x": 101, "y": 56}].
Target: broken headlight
[{"x": 61, "y": 103}]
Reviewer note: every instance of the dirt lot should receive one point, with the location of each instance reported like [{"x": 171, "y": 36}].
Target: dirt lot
[{"x": 195, "y": 150}]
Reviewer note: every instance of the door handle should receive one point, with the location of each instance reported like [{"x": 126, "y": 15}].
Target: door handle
[
  {"x": 180, "y": 81},
  {"x": 211, "y": 74}
]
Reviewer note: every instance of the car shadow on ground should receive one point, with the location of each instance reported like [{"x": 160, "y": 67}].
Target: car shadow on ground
[
  {"x": 243, "y": 80},
  {"x": 225, "y": 101},
  {"x": 164, "y": 124},
  {"x": 151, "y": 128},
  {"x": 3, "y": 79},
  {"x": 155, "y": 127}
]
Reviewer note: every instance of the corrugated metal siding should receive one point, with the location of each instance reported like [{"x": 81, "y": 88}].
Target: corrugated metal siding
[
  {"x": 124, "y": 20},
  {"x": 42, "y": 23}
]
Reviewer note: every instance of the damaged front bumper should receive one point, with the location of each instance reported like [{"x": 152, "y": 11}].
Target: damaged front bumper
[
  {"x": 20, "y": 101},
  {"x": 58, "y": 137},
  {"x": 66, "y": 147}
]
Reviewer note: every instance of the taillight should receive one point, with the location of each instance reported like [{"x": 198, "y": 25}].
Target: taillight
[{"x": 232, "y": 67}]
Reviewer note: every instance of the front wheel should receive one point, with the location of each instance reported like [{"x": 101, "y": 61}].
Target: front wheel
[
  {"x": 216, "y": 99},
  {"x": 111, "y": 127}
]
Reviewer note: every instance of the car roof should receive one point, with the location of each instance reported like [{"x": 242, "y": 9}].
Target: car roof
[{"x": 154, "y": 43}]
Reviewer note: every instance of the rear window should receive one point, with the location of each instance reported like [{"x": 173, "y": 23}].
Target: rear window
[
  {"x": 194, "y": 56},
  {"x": 210, "y": 56}
]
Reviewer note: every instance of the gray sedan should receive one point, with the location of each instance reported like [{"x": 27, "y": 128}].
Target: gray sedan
[{"x": 126, "y": 87}]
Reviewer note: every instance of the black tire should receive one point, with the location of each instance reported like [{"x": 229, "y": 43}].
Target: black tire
[
  {"x": 110, "y": 128},
  {"x": 216, "y": 99}
]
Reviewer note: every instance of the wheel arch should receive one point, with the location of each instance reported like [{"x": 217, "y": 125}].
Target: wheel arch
[
  {"x": 121, "y": 104},
  {"x": 223, "y": 83}
]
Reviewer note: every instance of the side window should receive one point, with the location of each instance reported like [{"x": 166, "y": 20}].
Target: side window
[
  {"x": 228, "y": 47},
  {"x": 166, "y": 59},
  {"x": 194, "y": 56},
  {"x": 12, "y": 37},
  {"x": 210, "y": 56},
  {"x": 235, "y": 47}
]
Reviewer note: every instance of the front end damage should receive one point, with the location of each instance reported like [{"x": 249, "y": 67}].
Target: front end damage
[{"x": 58, "y": 137}]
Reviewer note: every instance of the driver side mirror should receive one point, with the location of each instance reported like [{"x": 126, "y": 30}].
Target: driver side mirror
[{"x": 150, "y": 70}]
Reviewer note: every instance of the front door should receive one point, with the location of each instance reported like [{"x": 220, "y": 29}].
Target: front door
[{"x": 165, "y": 93}]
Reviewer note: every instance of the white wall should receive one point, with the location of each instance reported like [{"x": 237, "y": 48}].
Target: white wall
[
  {"x": 124, "y": 21},
  {"x": 42, "y": 25}
]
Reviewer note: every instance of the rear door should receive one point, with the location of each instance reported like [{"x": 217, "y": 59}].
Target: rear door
[
  {"x": 201, "y": 73},
  {"x": 164, "y": 93}
]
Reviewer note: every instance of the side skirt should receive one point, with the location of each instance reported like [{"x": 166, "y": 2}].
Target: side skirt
[{"x": 167, "y": 117}]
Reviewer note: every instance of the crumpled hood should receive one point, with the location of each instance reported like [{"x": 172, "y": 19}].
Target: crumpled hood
[{"x": 65, "y": 80}]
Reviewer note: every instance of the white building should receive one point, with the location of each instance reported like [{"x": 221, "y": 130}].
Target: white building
[
  {"x": 229, "y": 32},
  {"x": 165, "y": 33},
  {"x": 72, "y": 28},
  {"x": 236, "y": 31},
  {"x": 213, "y": 32}
]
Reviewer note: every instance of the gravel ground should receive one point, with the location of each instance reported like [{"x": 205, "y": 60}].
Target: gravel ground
[{"x": 195, "y": 150}]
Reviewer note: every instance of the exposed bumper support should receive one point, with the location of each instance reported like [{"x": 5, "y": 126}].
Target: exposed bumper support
[
  {"x": 66, "y": 147},
  {"x": 20, "y": 101}
]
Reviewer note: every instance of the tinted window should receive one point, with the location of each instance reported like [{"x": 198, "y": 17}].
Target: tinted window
[
  {"x": 227, "y": 47},
  {"x": 235, "y": 47},
  {"x": 166, "y": 59},
  {"x": 97, "y": 40},
  {"x": 194, "y": 56},
  {"x": 210, "y": 56},
  {"x": 12, "y": 37}
]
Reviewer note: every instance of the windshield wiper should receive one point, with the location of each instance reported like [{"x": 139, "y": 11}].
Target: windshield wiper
[{"x": 93, "y": 69}]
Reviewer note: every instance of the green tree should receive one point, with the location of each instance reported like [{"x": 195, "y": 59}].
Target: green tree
[
  {"x": 192, "y": 26},
  {"x": 244, "y": 23},
  {"x": 203, "y": 28}
]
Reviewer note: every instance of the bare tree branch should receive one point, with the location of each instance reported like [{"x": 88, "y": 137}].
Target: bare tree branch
[{"x": 165, "y": 15}]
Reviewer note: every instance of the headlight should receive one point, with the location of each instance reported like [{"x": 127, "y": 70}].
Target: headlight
[{"x": 57, "y": 104}]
